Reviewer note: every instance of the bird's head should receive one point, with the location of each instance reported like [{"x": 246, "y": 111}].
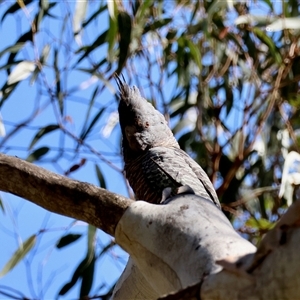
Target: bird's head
[{"x": 143, "y": 127}]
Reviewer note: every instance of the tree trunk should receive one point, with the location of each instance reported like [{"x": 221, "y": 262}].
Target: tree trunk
[{"x": 185, "y": 243}]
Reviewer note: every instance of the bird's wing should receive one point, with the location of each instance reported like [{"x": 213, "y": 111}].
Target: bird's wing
[
  {"x": 202, "y": 176},
  {"x": 181, "y": 169}
]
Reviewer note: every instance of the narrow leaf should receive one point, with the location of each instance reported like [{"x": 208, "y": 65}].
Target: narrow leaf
[
  {"x": 157, "y": 24},
  {"x": 42, "y": 132},
  {"x": 88, "y": 49},
  {"x": 76, "y": 166},
  {"x": 74, "y": 279},
  {"x": 12, "y": 49},
  {"x": 77, "y": 274},
  {"x": 93, "y": 122},
  {"x": 37, "y": 154},
  {"x": 262, "y": 224},
  {"x": 92, "y": 231},
  {"x": 2, "y": 206},
  {"x": 101, "y": 9},
  {"x": 111, "y": 123},
  {"x": 67, "y": 240},
  {"x": 112, "y": 9},
  {"x": 88, "y": 271},
  {"x": 91, "y": 105},
  {"x": 34, "y": 76},
  {"x": 18, "y": 44},
  {"x": 79, "y": 15},
  {"x": 87, "y": 279},
  {"x": 6, "y": 90},
  {"x": 100, "y": 177},
  {"x": 112, "y": 35},
  {"x": 2, "y": 127},
  {"x": 59, "y": 94},
  {"x": 21, "y": 72},
  {"x": 15, "y": 7},
  {"x": 45, "y": 54},
  {"x": 143, "y": 10},
  {"x": 269, "y": 42},
  {"x": 19, "y": 255},
  {"x": 124, "y": 26},
  {"x": 195, "y": 52}
]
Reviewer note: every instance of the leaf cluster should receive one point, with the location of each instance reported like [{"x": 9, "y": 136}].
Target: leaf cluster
[{"x": 225, "y": 74}]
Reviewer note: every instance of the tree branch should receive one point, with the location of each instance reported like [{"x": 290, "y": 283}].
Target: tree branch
[{"x": 62, "y": 195}]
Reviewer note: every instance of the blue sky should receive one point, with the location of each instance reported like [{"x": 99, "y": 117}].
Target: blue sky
[
  {"x": 45, "y": 266},
  {"x": 22, "y": 218}
]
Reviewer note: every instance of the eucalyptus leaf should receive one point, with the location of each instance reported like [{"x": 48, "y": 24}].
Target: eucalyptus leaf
[
  {"x": 21, "y": 72},
  {"x": 18, "y": 255}
]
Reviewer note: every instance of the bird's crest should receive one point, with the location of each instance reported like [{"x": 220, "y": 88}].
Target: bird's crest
[{"x": 143, "y": 127}]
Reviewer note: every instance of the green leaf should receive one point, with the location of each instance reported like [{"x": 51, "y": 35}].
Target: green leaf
[
  {"x": 45, "y": 7},
  {"x": 6, "y": 90},
  {"x": 100, "y": 177},
  {"x": 85, "y": 133},
  {"x": 2, "y": 206},
  {"x": 261, "y": 224},
  {"x": 88, "y": 49},
  {"x": 84, "y": 268},
  {"x": 34, "y": 76},
  {"x": 91, "y": 105},
  {"x": 92, "y": 231},
  {"x": 101, "y": 9},
  {"x": 15, "y": 7},
  {"x": 112, "y": 33},
  {"x": 216, "y": 6},
  {"x": 67, "y": 240},
  {"x": 12, "y": 49},
  {"x": 269, "y": 3},
  {"x": 295, "y": 101},
  {"x": 21, "y": 72},
  {"x": 269, "y": 42},
  {"x": 87, "y": 278},
  {"x": 37, "y": 154},
  {"x": 17, "y": 46},
  {"x": 59, "y": 94},
  {"x": 143, "y": 10},
  {"x": 19, "y": 255},
  {"x": 42, "y": 132},
  {"x": 45, "y": 54},
  {"x": 77, "y": 274},
  {"x": 4, "y": 67},
  {"x": 125, "y": 27},
  {"x": 195, "y": 52},
  {"x": 157, "y": 24},
  {"x": 88, "y": 272},
  {"x": 112, "y": 9},
  {"x": 79, "y": 15}
]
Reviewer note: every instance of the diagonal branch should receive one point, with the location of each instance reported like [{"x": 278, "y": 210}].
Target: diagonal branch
[{"x": 62, "y": 195}]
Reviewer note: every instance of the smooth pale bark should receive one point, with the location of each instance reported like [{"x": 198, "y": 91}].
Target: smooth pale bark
[
  {"x": 276, "y": 277},
  {"x": 183, "y": 243},
  {"x": 173, "y": 246},
  {"x": 271, "y": 273},
  {"x": 59, "y": 194},
  {"x": 189, "y": 246}
]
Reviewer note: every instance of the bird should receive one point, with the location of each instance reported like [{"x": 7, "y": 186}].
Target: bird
[{"x": 153, "y": 159}]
